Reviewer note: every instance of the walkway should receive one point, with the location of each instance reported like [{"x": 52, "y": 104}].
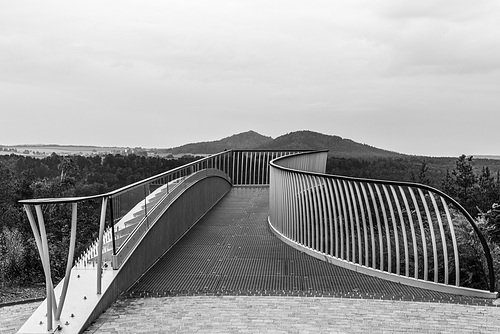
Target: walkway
[{"x": 232, "y": 251}]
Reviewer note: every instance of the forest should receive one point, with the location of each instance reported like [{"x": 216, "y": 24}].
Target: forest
[
  {"x": 57, "y": 176},
  {"x": 473, "y": 183}
]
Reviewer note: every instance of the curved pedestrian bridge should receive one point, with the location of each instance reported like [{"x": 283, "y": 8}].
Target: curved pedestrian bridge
[{"x": 254, "y": 224}]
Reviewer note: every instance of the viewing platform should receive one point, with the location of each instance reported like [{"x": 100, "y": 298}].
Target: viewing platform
[{"x": 248, "y": 241}]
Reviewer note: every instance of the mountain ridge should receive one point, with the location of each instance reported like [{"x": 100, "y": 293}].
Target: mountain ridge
[
  {"x": 297, "y": 140},
  {"x": 241, "y": 141}
]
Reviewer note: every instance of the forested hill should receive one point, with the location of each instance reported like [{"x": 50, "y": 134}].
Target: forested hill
[
  {"x": 337, "y": 146},
  {"x": 245, "y": 140}
]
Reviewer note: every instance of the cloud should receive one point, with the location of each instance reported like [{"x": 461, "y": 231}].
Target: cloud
[{"x": 223, "y": 64}]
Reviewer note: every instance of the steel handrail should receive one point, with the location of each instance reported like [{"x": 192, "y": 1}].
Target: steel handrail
[
  {"x": 489, "y": 259},
  {"x": 118, "y": 191}
]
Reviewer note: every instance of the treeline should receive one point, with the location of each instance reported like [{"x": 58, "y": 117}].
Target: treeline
[
  {"x": 474, "y": 183},
  {"x": 56, "y": 176}
]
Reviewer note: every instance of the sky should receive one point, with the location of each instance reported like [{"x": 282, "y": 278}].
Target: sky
[{"x": 416, "y": 77}]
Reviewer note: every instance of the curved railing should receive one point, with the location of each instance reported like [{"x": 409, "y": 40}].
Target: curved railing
[{"x": 404, "y": 232}]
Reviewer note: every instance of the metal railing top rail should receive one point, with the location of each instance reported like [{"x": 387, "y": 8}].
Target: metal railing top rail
[
  {"x": 489, "y": 259},
  {"x": 274, "y": 150},
  {"x": 123, "y": 189},
  {"x": 118, "y": 191}
]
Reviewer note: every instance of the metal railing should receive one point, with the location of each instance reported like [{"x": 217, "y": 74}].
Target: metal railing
[
  {"x": 400, "y": 231},
  {"x": 128, "y": 209}
]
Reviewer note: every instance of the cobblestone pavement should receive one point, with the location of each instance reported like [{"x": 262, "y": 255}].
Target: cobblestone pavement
[
  {"x": 280, "y": 314},
  {"x": 277, "y": 314},
  {"x": 13, "y": 317}
]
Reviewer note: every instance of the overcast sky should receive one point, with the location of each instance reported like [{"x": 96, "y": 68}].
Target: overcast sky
[{"x": 417, "y": 77}]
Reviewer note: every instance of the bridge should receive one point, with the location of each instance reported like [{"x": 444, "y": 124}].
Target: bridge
[{"x": 262, "y": 223}]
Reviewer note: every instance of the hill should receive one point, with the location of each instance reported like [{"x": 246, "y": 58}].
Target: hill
[
  {"x": 241, "y": 141},
  {"x": 337, "y": 146}
]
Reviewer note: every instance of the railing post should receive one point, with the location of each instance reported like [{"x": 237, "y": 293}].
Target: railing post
[
  {"x": 112, "y": 218},
  {"x": 70, "y": 260},
  {"x": 42, "y": 245},
  {"x": 99, "y": 247}
]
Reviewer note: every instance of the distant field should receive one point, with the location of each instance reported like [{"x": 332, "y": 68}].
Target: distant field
[
  {"x": 61, "y": 150},
  {"x": 493, "y": 157}
]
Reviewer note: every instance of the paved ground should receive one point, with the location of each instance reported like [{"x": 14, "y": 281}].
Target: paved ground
[
  {"x": 277, "y": 314},
  {"x": 13, "y": 317},
  {"x": 281, "y": 314}
]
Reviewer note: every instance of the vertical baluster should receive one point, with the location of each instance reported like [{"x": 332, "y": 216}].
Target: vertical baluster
[
  {"x": 282, "y": 196},
  {"x": 372, "y": 235},
  {"x": 303, "y": 216},
  {"x": 277, "y": 198},
  {"x": 254, "y": 174},
  {"x": 99, "y": 250},
  {"x": 340, "y": 229},
  {"x": 422, "y": 234},
  {"x": 257, "y": 168},
  {"x": 286, "y": 203},
  {"x": 379, "y": 231},
  {"x": 349, "y": 198},
  {"x": 318, "y": 229},
  {"x": 443, "y": 237},
  {"x": 322, "y": 213},
  {"x": 386, "y": 225},
  {"x": 238, "y": 168},
  {"x": 345, "y": 223},
  {"x": 245, "y": 170},
  {"x": 403, "y": 231},
  {"x": 454, "y": 241},
  {"x": 233, "y": 165},
  {"x": 412, "y": 229},
  {"x": 331, "y": 226},
  {"x": 358, "y": 204},
  {"x": 340, "y": 210},
  {"x": 395, "y": 229},
  {"x": 363, "y": 220},
  {"x": 272, "y": 197},
  {"x": 310, "y": 211},
  {"x": 291, "y": 204},
  {"x": 296, "y": 204},
  {"x": 249, "y": 168}
]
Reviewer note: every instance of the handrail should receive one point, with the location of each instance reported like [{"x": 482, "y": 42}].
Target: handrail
[
  {"x": 358, "y": 196},
  {"x": 144, "y": 181},
  {"x": 119, "y": 190}
]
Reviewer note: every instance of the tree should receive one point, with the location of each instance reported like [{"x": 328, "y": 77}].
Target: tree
[
  {"x": 421, "y": 177},
  {"x": 68, "y": 168},
  {"x": 461, "y": 183}
]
